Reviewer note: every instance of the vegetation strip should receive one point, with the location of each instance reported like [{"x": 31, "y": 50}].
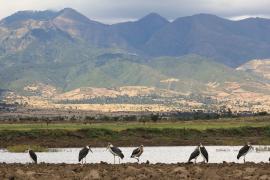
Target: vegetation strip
[
  {"x": 24, "y": 148},
  {"x": 123, "y": 125},
  {"x": 135, "y": 136}
]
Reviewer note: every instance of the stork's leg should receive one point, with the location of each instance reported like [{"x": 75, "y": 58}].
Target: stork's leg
[
  {"x": 113, "y": 159},
  {"x": 138, "y": 159},
  {"x": 195, "y": 160},
  {"x": 119, "y": 159},
  {"x": 244, "y": 159}
]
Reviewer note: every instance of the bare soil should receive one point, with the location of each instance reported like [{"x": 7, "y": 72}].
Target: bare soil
[{"x": 135, "y": 171}]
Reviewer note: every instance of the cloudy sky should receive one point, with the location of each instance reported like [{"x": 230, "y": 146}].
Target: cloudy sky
[{"x": 111, "y": 11}]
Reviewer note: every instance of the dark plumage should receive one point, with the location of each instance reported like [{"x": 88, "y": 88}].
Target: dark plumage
[
  {"x": 32, "y": 155},
  {"x": 244, "y": 150},
  {"x": 115, "y": 151},
  {"x": 200, "y": 150},
  {"x": 137, "y": 153},
  {"x": 194, "y": 154},
  {"x": 203, "y": 152},
  {"x": 83, "y": 152}
]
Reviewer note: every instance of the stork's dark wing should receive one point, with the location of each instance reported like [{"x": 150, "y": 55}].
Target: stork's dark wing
[
  {"x": 117, "y": 151},
  {"x": 194, "y": 154},
  {"x": 33, "y": 155},
  {"x": 83, "y": 152},
  {"x": 204, "y": 153},
  {"x": 135, "y": 152},
  {"x": 243, "y": 151}
]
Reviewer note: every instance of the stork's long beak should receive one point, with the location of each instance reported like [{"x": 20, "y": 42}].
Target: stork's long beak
[{"x": 90, "y": 150}]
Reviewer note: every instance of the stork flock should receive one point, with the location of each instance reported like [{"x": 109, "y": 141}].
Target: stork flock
[
  {"x": 116, "y": 152},
  {"x": 201, "y": 150}
]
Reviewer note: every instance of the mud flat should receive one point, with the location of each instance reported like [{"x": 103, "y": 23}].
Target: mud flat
[{"x": 136, "y": 171}]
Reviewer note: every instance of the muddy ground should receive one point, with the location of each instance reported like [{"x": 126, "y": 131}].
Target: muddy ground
[{"x": 135, "y": 171}]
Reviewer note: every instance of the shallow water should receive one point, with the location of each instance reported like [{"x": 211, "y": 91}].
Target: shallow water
[{"x": 163, "y": 154}]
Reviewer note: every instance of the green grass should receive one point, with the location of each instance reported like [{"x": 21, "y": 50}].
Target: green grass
[
  {"x": 24, "y": 148},
  {"x": 232, "y": 132},
  {"x": 119, "y": 126}
]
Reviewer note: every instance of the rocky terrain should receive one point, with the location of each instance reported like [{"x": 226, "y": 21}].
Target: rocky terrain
[{"x": 260, "y": 67}]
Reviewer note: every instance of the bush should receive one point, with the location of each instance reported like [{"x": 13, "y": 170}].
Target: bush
[
  {"x": 263, "y": 113},
  {"x": 24, "y": 148}
]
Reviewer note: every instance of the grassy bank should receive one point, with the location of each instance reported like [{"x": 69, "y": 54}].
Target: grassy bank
[
  {"x": 211, "y": 132},
  {"x": 135, "y": 136},
  {"x": 120, "y": 126},
  {"x": 24, "y": 148}
]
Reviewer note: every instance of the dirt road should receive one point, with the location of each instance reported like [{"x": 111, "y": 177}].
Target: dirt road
[{"x": 135, "y": 171}]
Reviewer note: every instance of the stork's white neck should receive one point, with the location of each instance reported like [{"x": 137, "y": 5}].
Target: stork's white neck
[{"x": 87, "y": 147}]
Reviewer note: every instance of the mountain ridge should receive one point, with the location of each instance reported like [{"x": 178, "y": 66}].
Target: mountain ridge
[
  {"x": 68, "y": 50},
  {"x": 229, "y": 42}
]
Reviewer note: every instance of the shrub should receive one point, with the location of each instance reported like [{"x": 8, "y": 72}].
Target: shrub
[{"x": 24, "y": 148}]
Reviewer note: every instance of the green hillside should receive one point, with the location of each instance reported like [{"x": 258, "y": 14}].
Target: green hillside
[
  {"x": 119, "y": 72},
  {"x": 196, "y": 68},
  {"x": 194, "y": 72},
  {"x": 68, "y": 64},
  {"x": 67, "y": 50}
]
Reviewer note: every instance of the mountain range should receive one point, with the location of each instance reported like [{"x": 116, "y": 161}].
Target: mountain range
[{"x": 67, "y": 50}]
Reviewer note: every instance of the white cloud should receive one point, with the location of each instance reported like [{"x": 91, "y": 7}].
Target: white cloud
[
  {"x": 237, "y": 18},
  {"x": 111, "y": 11}
]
